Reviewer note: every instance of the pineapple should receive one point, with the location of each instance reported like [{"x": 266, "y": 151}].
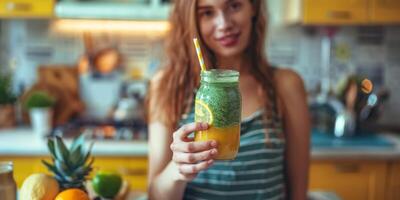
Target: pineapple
[{"x": 70, "y": 166}]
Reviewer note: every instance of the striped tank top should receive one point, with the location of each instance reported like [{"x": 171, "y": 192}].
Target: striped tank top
[{"x": 258, "y": 170}]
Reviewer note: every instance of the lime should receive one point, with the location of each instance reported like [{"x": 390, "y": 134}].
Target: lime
[
  {"x": 203, "y": 112},
  {"x": 107, "y": 184}
]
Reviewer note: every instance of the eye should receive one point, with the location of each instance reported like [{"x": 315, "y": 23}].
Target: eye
[
  {"x": 235, "y": 6},
  {"x": 206, "y": 13}
]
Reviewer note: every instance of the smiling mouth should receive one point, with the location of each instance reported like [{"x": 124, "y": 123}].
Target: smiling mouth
[{"x": 229, "y": 40}]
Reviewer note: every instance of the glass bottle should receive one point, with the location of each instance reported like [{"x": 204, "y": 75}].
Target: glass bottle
[{"x": 8, "y": 187}]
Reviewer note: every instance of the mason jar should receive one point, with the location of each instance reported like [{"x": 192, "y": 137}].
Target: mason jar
[
  {"x": 8, "y": 187},
  {"x": 218, "y": 102}
]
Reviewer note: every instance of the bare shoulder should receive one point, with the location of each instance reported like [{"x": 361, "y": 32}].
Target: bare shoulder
[
  {"x": 153, "y": 98},
  {"x": 289, "y": 83},
  {"x": 154, "y": 87},
  {"x": 292, "y": 97}
]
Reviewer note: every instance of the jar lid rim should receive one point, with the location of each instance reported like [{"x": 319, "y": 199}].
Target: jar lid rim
[{"x": 6, "y": 166}]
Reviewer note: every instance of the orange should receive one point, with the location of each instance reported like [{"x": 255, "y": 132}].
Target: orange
[
  {"x": 366, "y": 86},
  {"x": 72, "y": 194}
]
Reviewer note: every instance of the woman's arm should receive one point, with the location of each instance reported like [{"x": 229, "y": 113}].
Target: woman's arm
[
  {"x": 174, "y": 159},
  {"x": 163, "y": 179},
  {"x": 294, "y": 106}
]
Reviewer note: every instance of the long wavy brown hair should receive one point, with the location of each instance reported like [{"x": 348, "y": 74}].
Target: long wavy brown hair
[{"x": 180, "y": 76}]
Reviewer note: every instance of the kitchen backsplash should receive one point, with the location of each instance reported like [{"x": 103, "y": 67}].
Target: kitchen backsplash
[
  {"x": 373, "y": 52},
  {"x": 370, "y": 51}
]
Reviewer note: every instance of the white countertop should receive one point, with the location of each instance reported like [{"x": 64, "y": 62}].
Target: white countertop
[{"x": 22, "y": 142}]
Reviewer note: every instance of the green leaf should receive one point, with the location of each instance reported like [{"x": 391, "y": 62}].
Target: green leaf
[
  {"x": 75, "y": 157},
  {"x": 59, "y": 179},
  {"x": 89, "y": 165},
  {"x": 91, "y": 162},
  {"x": 63, "y": 169},
  {"x": 78, "y": 142},
  {"x": 49, "y": 166},
  {"x": 39, "y": 99},
  {"x": 52, "y": 168},
  {"x": 50, "y": 146},
  {"x": 61, "y": 150},
  {"x": 81, "y": 172},
  {"x": 84, "y": 170},
  {"x": 78, "y": 171},
  {"x": 87, "y": 155}
]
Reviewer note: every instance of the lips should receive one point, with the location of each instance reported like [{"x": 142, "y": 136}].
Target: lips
[{"x": 229, "y": 40}]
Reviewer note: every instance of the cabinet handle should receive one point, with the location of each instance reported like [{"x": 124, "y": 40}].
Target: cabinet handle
[
  {"x": 347, "y": 168},
  {"x": 24, "y": 7},
  {"x": 339, "y": 14},
  {"x": 132, "y": 172}
]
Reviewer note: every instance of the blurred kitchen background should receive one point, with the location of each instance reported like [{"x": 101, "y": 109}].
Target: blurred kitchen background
[{"x": 95, "y": 58}]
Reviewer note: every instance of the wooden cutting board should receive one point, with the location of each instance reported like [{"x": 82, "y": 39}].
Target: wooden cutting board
[
  {"x": 61, "y": 76},
  {"x": 62, "y": 82}
]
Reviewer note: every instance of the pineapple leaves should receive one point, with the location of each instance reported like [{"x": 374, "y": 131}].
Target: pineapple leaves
[
  {"x": 70, "y": 166},
  {"x": 86, "y": 157},
  {"x": 62, "y": 167},
  {"x": 89, "y": 165},
  {"x": 50, "y": 145},
  {"x": 61, "y": 150},
  {"x": 76, "y": 156},
  {"x": 78, "y": 142},
  {"x": 51, "y": 168}
]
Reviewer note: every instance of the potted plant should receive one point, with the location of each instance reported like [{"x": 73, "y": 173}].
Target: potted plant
[
  {"x": 39, "y": 104},
  {"x": 7, "y": 103}
]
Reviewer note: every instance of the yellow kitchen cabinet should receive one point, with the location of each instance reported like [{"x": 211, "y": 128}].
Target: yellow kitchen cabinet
[
  {"x": 133, "y": 169},
  {"x": 26, "y": 8},
  {"x": 335, "y": 12},
  {"x": 350, "y": 180},
  {"x": 393, "y": 183},
  {"x": 385, "y": 11},
  {"x": 328, "y": 12},
  {"x": 341, "y": 12}
]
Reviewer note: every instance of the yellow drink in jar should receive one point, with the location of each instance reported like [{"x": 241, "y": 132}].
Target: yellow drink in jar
[{"x": 218, "y": 102}]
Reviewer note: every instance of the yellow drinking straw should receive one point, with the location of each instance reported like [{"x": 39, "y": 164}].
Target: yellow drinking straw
[{"x": 199, "y": 55}]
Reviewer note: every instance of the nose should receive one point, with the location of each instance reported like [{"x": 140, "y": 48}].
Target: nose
[{"x": 223, "y": 21}]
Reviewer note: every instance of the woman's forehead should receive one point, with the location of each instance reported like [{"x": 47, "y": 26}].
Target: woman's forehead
[{"x": 202, "y": 3}]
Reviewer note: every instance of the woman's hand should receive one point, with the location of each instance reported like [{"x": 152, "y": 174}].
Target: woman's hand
[{"x": 191, "y": 157}]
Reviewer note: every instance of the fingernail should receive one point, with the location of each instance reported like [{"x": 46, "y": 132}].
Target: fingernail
[
  {"x": 213, "y": 152},
  {"x": 213, "y": 143},
  {"x": 210, "y": 161}
]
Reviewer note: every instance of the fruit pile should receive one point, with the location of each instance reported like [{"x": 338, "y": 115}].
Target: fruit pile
[
  {"x": 44, "y": 187},
  {"x": 70, "y": 167}
]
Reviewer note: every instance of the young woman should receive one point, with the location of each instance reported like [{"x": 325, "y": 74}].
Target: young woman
[{"x": 275, "y": 166}]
